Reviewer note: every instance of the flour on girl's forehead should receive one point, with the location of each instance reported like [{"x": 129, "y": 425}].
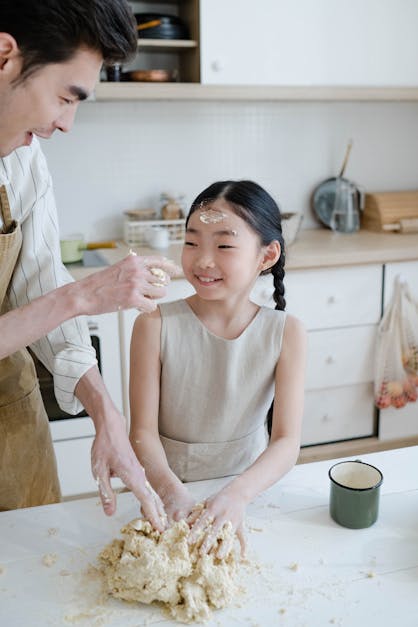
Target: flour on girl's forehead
[
  {"x": 214, "y": 216},
  {"x": 211, "y": 216}
]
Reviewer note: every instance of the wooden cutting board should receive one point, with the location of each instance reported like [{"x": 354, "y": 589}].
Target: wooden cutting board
[{"x": 391, "y": 211}]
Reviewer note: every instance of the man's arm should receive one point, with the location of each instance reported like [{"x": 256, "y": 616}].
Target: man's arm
[
  {"x": 127, "y": 284},
  {"x": 112, "y": 454}
]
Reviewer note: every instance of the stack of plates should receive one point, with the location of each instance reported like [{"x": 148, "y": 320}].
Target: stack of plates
[{"x": 159, "y": 26}]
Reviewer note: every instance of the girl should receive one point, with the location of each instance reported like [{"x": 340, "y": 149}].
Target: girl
[{"x": 216, "y": 361}]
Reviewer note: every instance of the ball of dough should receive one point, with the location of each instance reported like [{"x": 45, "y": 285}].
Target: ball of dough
[{"x": 147, "y": 566}]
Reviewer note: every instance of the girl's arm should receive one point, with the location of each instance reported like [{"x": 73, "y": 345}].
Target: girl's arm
[
  {"x": 283, "y": 449},
  {"x": 144, "y": 394}
]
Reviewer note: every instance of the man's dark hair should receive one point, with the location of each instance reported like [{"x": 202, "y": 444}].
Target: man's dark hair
[{"x": 52, "y": 31}]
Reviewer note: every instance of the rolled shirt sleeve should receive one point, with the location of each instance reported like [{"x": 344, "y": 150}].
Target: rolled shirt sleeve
[{"x": 66, "y": 351}]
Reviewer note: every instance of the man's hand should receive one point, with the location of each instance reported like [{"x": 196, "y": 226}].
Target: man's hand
[
  {"x": 134, "y": 282},
  {"x": 113, "y": 456}
]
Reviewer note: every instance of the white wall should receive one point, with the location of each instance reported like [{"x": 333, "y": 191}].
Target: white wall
[{"x": 123, "y": 155}]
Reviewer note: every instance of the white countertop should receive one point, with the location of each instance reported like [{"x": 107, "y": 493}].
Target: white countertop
[{"x": 313, "y": 572}]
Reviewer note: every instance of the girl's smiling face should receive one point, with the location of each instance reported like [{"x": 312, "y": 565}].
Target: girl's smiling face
[{"x": 221, "y": 258}]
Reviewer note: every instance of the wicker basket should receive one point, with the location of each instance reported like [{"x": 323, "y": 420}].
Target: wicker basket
[{"x": 136, "y": 233}]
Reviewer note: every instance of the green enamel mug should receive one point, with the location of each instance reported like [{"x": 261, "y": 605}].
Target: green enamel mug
[{"x": 354, "y": 493}]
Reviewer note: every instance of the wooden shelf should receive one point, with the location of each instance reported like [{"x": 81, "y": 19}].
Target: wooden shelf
[
  {"x": 163, "y": 45},
  {"x": 351, "y": 448},
  {"x": 196, "y": 91}
]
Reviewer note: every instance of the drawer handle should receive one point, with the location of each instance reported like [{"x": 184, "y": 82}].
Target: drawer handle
[
  {"x": 330, "y": 360},
  {"x": 331, "y": 300},
  {"x": 216, "y": 66}
]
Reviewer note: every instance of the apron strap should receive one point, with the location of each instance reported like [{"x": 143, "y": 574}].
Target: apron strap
[{"x": 6, "y": 214}]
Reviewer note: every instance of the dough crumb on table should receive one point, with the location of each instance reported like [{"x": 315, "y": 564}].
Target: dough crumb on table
[
  {"x": 148, "y": 566},
  {"x": 49, "y": 559}
]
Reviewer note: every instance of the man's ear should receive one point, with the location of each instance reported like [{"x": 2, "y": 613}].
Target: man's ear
[
  {"x": 9, "y": 50},
  {"x": 271, "y": 254}
]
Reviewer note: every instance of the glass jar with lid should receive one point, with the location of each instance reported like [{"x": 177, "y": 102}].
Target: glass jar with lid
[{"x": 172, "y": 206}]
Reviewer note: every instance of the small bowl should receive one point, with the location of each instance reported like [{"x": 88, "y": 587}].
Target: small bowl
[
  {"x": 151, "y": 76},
  {"x": 290, "y": 226},
  {"x": 141, "y": 214}
]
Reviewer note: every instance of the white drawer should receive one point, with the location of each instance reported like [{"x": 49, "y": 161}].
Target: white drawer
[
  {"x": 74, "y": 468},
  {"x": 398, "y": 423},
  {"x": 338, "y": 414},
  {"x": 408, "y": 270},
  {"x": 70, "y": 428},
  {"x": 335, "y": 297},
  {"x": 339, "y": 357}
]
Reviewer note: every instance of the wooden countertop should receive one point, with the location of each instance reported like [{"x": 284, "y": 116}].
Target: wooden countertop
[
  {"x": 318, "y": 248},
  {"x": 311, "y": 571},
  {"x": 313, "y": 248}
]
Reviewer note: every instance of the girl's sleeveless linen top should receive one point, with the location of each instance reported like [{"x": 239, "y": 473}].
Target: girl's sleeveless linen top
[{"x": 215, "y": 393}]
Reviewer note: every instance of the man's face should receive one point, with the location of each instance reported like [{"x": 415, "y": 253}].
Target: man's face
[{"x": 46, "y": 100}]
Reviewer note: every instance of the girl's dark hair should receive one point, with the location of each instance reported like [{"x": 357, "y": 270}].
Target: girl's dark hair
[
  {"x": 254, "y": 205},
  {"x": 52, "y": 31}
]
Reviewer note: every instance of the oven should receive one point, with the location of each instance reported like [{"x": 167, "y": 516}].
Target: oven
[{"x": 73, "y": 435}]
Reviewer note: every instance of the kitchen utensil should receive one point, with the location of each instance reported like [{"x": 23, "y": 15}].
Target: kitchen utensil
[
  {"x": 140, "y": 214},
  {"x": 290, "y": 226},
  {"x": 158, "y": 237},
  {"x": 335, "y": 193},
  {"x": 354, "y": 495},
  {"x": 324, "y": 198},
  {"x": 347, "y": 154},
  {"x": 114, "y": 73},
  {"x": 160, "y": 26},
  {"x": 345, "y": 216},
  {"x": 72, "y": 249},
  {"x": 151, "y": 76},
  {"x": 172, "y": 206}
]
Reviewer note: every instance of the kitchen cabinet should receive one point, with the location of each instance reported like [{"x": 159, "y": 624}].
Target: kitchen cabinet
[
  {"x": 284, "y": 50},
  {"x": 340, "y": 308},
  {"x": 399, "y": 422},
  {"x": 350, "y": 42},
  {"x": 178, "y": 55}
]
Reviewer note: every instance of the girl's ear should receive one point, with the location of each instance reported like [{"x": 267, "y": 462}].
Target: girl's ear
[
  {"x": 271, "y": 254},
  {"x": 9, "y": 50}
]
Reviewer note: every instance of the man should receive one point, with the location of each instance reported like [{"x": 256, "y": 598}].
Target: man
[{"x": 51, "y": 53}]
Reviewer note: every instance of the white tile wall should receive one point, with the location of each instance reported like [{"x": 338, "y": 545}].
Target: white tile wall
[{"x": 122, "y": 155}]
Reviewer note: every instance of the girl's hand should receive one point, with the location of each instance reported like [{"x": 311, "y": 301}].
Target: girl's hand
[
  {"x": 178, "y": 502},
  {"x": 221, "y": 508}
]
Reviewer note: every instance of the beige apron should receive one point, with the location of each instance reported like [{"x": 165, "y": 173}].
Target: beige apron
[{"x": 28, "y": 470}]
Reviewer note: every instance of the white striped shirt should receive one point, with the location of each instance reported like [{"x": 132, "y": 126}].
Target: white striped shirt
[{"x": 66, "y": 351}]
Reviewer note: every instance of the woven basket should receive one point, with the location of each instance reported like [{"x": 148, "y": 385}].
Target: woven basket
[{"x": 137, "y": 233}]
